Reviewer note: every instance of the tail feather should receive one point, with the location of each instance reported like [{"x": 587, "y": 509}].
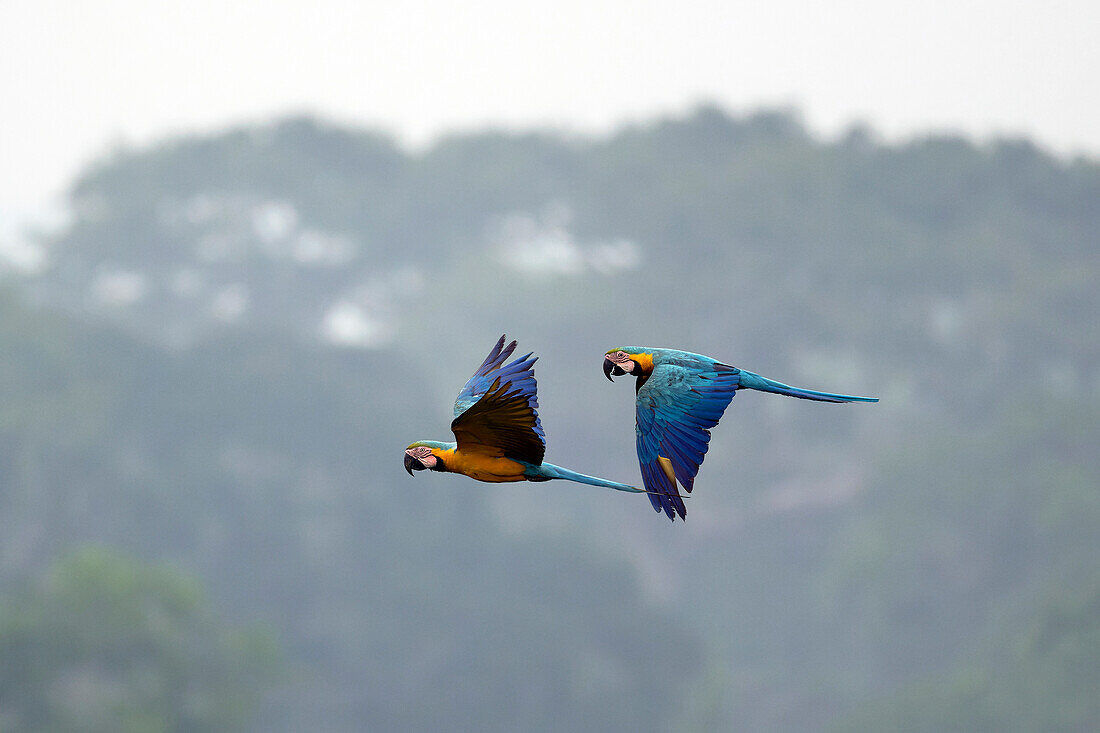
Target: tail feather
[
  {"x": 755, "y": 381},
  {"x": 547, "y": 471}
]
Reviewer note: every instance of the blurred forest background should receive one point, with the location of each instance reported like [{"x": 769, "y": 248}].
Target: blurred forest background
[{"x": 207, "y": 383}]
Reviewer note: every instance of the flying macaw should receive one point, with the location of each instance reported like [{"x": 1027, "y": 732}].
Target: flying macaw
[
  {"x": 498, "y": 435},
  {"x": 680, "y": 396}
]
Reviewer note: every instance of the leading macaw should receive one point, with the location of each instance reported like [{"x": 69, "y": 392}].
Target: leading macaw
[
  {"x": 498, "y": 434},
  {"x": 680, "y": 396}
]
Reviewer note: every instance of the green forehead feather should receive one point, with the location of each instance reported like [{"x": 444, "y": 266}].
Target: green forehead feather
[{"x": 430, "y": 444}]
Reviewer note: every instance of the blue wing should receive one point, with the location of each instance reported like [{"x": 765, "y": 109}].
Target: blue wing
[
  {"x": 497, "y": 410},
  {"x": 676, "y": 407}
]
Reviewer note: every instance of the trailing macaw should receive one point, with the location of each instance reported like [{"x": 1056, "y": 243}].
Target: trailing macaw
[
  {"x": 680, "y": 396},
  {"x": 498, "y": 435}
]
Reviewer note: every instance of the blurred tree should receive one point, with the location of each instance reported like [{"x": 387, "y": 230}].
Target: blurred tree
[
  {"x": 1043, "y": 674},
  {"x": 107, "y": 644},
  {"x": 834, "y": 557}
]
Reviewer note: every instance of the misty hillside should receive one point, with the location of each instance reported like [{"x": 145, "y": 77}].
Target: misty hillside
[{"x": 234, "y": 336}]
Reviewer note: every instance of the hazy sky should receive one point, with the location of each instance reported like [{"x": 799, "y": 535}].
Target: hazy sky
[{"x": 77, "y": 77}]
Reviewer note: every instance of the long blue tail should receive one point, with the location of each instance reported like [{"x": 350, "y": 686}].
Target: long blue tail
[
  {"x": 547, "y": 471},
  {"x": 755, "y": 381}
]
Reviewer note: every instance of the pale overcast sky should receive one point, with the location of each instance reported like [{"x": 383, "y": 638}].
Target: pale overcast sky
[{"x": 79, "y": 76}]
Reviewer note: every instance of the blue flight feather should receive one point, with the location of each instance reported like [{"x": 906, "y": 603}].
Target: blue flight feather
[
  {"x": 519, "y": 375},
  {"x": 678, "y": 402}
]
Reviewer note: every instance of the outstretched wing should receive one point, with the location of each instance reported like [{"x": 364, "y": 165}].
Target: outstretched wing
[
  {"x": 676, "y": 407},
  {"x": 496, "y": 413}
]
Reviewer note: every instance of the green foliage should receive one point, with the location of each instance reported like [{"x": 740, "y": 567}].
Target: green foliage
[
  {"x": 878, "y": 564},
  {"x": 105, "y": 643}
]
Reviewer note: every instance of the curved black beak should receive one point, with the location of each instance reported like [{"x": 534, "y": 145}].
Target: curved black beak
[
  {"x": 411, "y": 464},
  {"x": 611, "y": 368}
]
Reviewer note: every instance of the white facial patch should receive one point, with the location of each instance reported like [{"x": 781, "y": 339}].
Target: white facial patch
[
  {"x": 620, "y": 359},
  {"x": 423, "y": 454}
]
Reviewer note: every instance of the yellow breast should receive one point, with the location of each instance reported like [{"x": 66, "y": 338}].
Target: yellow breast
[{"x": 484, "y": 468}]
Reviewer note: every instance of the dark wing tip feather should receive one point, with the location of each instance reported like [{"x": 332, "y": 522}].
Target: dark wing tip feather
[
  {"x": 496, "y": 356},
  {"x": 663, "y": 496}
]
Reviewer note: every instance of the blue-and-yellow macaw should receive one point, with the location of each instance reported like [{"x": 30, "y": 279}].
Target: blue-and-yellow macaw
[
  {"x": 680, "y": 396},
  {"x": 498, "y": 435}
]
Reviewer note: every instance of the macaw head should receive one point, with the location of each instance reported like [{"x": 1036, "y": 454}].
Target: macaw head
[
  {"x": 425, "y": 454},
  {"x": 628, "y": 360}
]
